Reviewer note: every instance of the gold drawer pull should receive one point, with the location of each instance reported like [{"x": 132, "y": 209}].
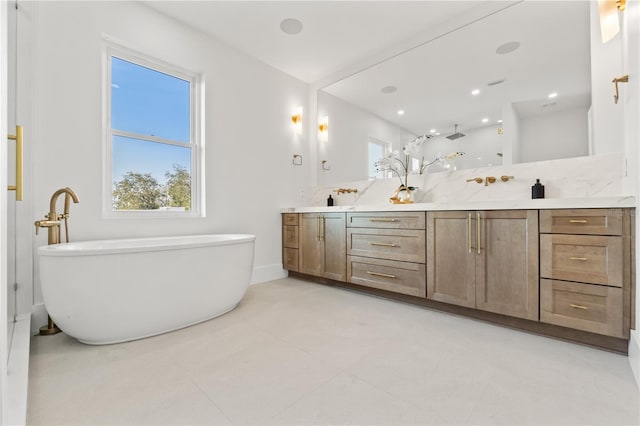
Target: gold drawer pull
[
  {"x": 383, "y": 244},
  {"x": 578, "y": 258},
  {"x": 578, "y": 221},
  {"x": 584, "y": 308},
  {"x": 380, "y": 274},
  {"x": 383, "y": 220}
]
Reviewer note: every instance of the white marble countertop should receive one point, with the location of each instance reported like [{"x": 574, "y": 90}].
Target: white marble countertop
[{"x": 546, "y": 203}]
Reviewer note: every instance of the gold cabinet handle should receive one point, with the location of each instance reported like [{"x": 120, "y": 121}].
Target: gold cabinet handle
[
  {"x": 578, "y": 258},
  {"x": 469, "y": 234},
  {"x": 478, "y": 230},
  {"x": 322, "y": 219},
  {"x": 573, "y": 305},
  {"x": 19, "y": 172},
  {"x": 383, "y": 220},
  {"x": 578, "y": 221},
  {"x": 380, "y": 274},
  {"x": 318, "y": 228},
  {"x": 383, "y": 244}
]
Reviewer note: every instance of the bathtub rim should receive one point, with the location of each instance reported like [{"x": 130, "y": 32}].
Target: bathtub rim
[{"x": 93, "y": 248}]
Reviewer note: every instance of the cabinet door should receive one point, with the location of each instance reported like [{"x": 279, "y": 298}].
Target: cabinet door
[
  {"x": 333, "y": 235},
  {"x": 507, "y": 265},
  {"x": 451, "y": 257},
  {"x": 311, "y": 247}
]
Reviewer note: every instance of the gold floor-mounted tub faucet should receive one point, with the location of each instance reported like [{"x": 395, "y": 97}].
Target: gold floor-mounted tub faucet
[{"x": 52, "y": 222}]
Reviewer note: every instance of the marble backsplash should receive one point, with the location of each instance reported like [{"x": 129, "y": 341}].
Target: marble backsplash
[{"x": 581, "y": 177}]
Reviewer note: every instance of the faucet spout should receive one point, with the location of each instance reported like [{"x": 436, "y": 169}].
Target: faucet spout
[{"x": 54, "y": 198}]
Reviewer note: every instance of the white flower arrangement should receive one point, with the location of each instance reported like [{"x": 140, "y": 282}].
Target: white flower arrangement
[{"x": 395, "y": 163}]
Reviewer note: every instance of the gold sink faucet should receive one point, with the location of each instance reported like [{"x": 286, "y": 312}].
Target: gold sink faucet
[
  {"x": 476, "y": 180},
  {"x": 52, "y": 219},
  {"x": 488, "y": 180}
]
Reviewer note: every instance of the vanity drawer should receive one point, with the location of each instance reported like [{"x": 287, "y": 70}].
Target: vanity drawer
[
  {"x": 582, "y": 221},
  {"x": 585, "y": 258},
  {"x": 587, "y": 307},
  {"x": 392, "y": 244},
  {"x": 399, "y": 220},
  {"x": 290, "y": 219},
  {"x": 399, "y": 277},
  {"x": 290, "y": 259},
  {"x": 290, "y": 236}
]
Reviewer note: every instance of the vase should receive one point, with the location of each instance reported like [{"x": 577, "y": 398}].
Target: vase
[{"x": 403, "y": 195}]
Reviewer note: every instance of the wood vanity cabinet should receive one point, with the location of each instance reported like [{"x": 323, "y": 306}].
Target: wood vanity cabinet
[
  {"x": 486, "y": 260},
  {"x": 290, "y": 241},
  {"x": 585, "y": 269},
  {"x": 321, "y": 247},
  {"x": 387, "y": 251}
]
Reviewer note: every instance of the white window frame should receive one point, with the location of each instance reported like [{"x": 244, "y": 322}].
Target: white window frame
[
  {"x": 196, "y": 142},
  {"x": 386, "y": 147}
]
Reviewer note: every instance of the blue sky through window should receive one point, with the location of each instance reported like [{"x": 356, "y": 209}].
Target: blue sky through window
[{"x": 148, "y": 103}]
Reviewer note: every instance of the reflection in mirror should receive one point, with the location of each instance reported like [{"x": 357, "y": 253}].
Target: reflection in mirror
[{"x": 512, "y": 87}]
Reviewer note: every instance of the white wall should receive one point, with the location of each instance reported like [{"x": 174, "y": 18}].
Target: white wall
[
  {"x": 556, "y": 134},
  {"x": 480, "y": 146},
  {"x": 249, "y": 137},
  {"x": 350, "y": 128},
  {"x": 511, "y": 135}
]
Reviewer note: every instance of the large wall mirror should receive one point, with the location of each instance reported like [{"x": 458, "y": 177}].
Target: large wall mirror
[{"x": 512, "y": 87}]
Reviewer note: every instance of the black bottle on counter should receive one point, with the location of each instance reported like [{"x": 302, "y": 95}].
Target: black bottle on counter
[
  {"x": 537, "y": 190},
  {"x": 329, "y": 201}
]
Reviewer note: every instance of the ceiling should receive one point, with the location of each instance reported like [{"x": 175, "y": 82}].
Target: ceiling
[
  {"x": 336, "y": 34},
  {"x": 433, "y": 80}
]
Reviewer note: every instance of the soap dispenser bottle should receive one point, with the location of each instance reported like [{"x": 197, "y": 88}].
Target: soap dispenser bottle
[
  {"x": 537, "y": 190},
  {"x": 329, "y": 201}
]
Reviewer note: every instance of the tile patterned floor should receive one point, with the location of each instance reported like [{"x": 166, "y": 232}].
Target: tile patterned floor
[{"x": 296, "y": 353}]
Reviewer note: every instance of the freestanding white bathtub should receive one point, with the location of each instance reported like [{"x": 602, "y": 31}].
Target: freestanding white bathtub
[{"x": 111, "y": 291}]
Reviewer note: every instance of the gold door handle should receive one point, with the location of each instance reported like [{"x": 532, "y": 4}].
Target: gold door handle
[
  {"x": 380, "y": 274},
  {"x": 622, "y": 79},
  {"x": 19, "y": 172},
  {"x": 578, "y": 221},
  {"x": 383, "y": 244},
  {"x": 383, "y": 220},
  {"x": 478, "y": 230},
  {"x": 578, "y": 258},
  {"x": 469, "y": 234},
  {"x": 578, "y": 306}
]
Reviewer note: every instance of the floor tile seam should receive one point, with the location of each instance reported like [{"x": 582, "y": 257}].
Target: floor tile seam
[
  {"x": 302, "y": 395},
  {"x": 210, "y": 399}
]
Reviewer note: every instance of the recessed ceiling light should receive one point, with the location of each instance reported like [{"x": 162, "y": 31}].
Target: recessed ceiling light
[
  {"x": 400, "y": 112},
  {"x": 388, "y": 89},
  {"x": 475, "y": 92},
  {"x": 291, "y": 26},
  {"x": 507, "y": 47},
  {"x": 485, "y": 120},
  {"x": 437, "y": 133},
  {"x": 432, "y": 130},
  {"x": 553, "y": 95},
  {"x": 499, "y": 121}
]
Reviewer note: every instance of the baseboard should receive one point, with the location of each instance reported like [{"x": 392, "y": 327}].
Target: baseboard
[
  {"x": 18, "y": 372},
  {"x": 38, "y": 317},
  {"x": 634, "y": 355},
  {"x": 267, "y": 273}
]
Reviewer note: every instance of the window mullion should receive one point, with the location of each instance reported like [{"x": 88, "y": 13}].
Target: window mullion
[{"x": 147, "y": 138}]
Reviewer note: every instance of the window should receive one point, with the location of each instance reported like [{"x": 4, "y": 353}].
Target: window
[
  {"x": 377, "y": 150},
  {"x": 152, "y": 133}
]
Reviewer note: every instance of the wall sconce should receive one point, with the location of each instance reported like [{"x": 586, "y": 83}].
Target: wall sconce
[
  {"x": 609, "y": 19},
  {"x": 323, "y": 129},
  {"x": 296, "y": 119}
]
